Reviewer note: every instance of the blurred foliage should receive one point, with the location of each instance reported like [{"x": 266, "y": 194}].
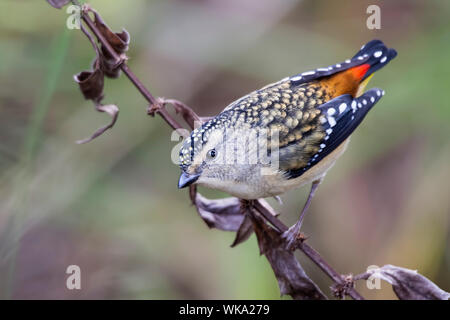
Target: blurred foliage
[{"x": 112, "y": 206}]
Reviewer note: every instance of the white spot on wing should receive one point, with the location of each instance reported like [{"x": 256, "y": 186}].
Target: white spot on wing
[
  {"x": 331, "y": 111},
  {"x": 331, "y": 121},
  {"x": 342, "y": 107},
  {"x": 377, "y": 54},
  {"x": 383, "y": 60}
]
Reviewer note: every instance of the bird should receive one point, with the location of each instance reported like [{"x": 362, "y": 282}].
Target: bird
[{"x": 286, "y": 134}]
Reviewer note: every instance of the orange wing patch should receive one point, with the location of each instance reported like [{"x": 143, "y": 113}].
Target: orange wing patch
[
  {"x": 359, "y": 72},
  {"x": 344, "y": 82}
]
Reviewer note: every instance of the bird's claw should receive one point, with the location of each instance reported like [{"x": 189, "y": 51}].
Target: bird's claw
[
  {"x": 340, "y": 290},
  {"x": 293, "y": 237}
]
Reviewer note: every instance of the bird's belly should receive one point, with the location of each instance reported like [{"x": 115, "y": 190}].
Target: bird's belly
[
  {"x": 276, "y": 184},
  {"x": 272, "y": 182},
  {"x": 243, "y": 190}
]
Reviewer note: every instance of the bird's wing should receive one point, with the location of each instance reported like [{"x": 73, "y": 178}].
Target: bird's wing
[
  {"x": 338, "y": 119},
  {"x": 374, "y": 54}
]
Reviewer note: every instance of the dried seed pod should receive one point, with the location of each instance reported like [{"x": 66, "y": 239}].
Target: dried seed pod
[{"x": 91, "y": 83}]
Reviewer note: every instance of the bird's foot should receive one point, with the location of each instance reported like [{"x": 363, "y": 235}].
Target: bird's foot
[
  {"x": 293, "y": 236},
  {"x": 340, "y": 290}
]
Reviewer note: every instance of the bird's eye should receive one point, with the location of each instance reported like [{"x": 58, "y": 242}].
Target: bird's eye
[{"x": 211, "y": 154}]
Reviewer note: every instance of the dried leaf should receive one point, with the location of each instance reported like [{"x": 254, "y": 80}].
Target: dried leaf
[
  {"x": 110, "y": 109},
  {"x": 118, "y": 41},
  {"x": 109, "y": 65},
  {"x": 291, "y": 277},
  {"x": 91, "y": 83},
  {"x": 409, "y": 284},
  {"x": 224, "y": 214},
  {"x": 58, "y": 4},
  {"x": 244, "y": 232}
]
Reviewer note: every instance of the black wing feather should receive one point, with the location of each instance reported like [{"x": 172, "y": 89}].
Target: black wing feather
[
  {"x": 343, "y": 115},
  {"x": 375, "y": 53}
]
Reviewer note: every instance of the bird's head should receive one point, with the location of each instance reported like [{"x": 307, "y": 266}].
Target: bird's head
[
  {"x": 201, "y": 154},
  {"x": 213, "y": 156}
]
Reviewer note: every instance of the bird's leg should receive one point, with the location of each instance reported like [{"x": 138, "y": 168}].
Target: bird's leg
[{"x": 292, "y": 235}]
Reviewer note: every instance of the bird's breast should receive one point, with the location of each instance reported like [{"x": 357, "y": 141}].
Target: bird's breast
[{"x": 274, "y": 183}]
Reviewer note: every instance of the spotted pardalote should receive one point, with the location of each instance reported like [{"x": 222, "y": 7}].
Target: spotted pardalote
[{"x": 286, "y": 134}]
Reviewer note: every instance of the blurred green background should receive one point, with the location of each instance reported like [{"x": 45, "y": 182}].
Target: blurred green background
[{"x": 112, "y": 206}]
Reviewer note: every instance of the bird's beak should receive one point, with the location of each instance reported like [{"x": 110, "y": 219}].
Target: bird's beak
[{"x": 187, "y": 179}]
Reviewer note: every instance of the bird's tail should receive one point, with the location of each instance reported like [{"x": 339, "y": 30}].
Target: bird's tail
[
  {"x": 373, "y": 56},
  {"x": 370, "y": 58}
]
